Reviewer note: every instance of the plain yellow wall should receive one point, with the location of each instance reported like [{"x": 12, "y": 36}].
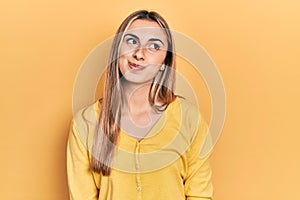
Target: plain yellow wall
[{"x": 254, "y": 43}]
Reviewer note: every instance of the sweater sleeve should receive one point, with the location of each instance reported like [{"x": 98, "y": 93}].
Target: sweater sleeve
[
  {"x": 81, "y": 182},
  {"x": 198, "y": 184}
]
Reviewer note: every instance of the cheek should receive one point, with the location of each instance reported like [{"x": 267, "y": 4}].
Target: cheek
[
  {"x": 159, "y": 59},
  {"x": 162, "y": 57},
  {"x": 125, "y": 51},
  {"x": 124, "y": 56},
  {"x": 121, "y": 63}
]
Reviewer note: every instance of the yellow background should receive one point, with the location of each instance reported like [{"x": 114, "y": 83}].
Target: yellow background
[{"x": 254, "y": 43}]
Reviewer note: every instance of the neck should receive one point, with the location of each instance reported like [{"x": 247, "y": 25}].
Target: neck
[{"x": 136, "y": 95}]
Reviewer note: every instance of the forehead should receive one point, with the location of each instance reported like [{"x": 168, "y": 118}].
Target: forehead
[{"x": 145, "y": 28}]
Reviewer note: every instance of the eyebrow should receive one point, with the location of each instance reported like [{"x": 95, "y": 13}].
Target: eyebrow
[
  {"x": 156, "y": 39},
  {"x": 151, "y": 39},
  {"x": 132, "y": 35}
]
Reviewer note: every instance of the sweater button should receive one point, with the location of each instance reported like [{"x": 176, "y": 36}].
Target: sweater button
[
  {"x": 137, "y": 166},
  {"x": 139, "y": 188}
]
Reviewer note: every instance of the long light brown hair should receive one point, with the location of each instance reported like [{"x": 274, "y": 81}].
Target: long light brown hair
[{"x": 108, "y": 129}]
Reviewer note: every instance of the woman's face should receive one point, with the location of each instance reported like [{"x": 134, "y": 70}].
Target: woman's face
[{"x": 143, "y": 51}]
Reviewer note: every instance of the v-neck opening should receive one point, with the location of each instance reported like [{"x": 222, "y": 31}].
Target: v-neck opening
[{"x": 155, "y": 130}]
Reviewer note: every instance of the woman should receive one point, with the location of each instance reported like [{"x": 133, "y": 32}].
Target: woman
[{"x": 140, "y": 141}]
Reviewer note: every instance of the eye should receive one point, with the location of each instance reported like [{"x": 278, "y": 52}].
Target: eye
[
  {"x": 154, "y": 46},
  {"x": 131, "y": 41}
]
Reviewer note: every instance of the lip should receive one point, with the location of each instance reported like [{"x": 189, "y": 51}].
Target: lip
[{"x": 134, "y": 66}]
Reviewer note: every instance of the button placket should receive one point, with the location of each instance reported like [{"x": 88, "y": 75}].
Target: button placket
[{"x": 137, "y": 167}]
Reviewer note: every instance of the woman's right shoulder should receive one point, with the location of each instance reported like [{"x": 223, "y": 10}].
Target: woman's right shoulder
[
  {"x": 90, "y": 113},
  {"x": 86, "y": 119},
  {"x": 84, "y": 124}
]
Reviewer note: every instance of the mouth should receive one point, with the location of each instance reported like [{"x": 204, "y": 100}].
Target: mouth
[{"x": 134, "y": 66}]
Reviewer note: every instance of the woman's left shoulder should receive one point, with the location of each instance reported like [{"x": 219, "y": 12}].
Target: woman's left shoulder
[
  {"x": 186, "y": 112},
  {"x": 187, "y": 107}
]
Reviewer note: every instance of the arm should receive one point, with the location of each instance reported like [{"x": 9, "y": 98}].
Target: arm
[
  {"x": 198, "y": 184},
  {"x": 81, "y": 181}
]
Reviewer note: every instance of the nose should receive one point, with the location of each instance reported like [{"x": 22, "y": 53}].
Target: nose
[{"x": 139, "y": 54}]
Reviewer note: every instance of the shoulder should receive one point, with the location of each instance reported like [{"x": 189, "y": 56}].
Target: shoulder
[
  {"x": 188, "y": 111},
  {"x": 85, "y": 122},
  {"x": 187, "y": 105},
  {"x": 192, "y": 122},
  {"x": 87, "y": 114}
]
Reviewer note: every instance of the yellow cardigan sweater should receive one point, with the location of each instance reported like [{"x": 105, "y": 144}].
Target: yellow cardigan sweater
[{"x": 165, "y": 165}]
